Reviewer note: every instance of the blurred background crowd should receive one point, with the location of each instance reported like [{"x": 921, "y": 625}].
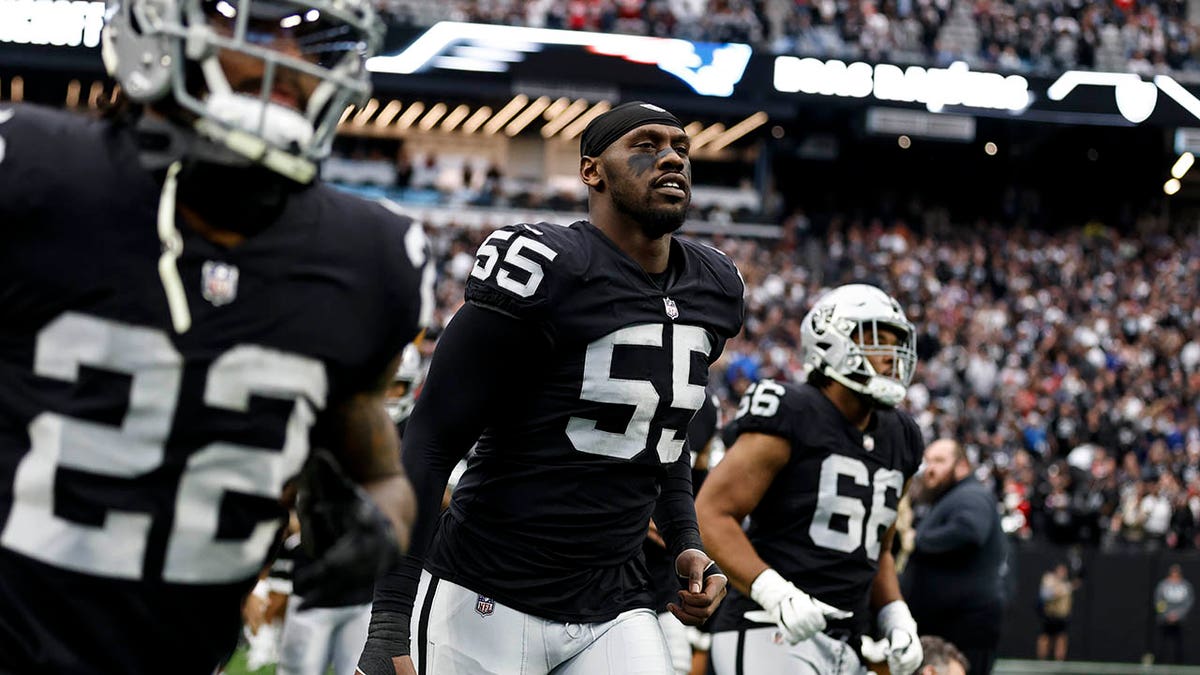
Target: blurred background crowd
[{"x": 1038, "y": 36}]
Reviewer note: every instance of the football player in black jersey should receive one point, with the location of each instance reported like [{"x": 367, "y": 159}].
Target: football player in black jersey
[
  {"x": 184, "y": 312},
  {"x": 577, "y": 362},
  {"x": 819, "y": 468}
]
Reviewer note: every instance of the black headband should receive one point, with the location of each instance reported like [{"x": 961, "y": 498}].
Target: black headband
[{"x": 615, "y": 123}]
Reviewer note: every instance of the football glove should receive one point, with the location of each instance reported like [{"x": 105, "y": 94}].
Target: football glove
[
  {"x": 348, "y": 538},
  {"x": 798, "y": 615},
  {"x": 901, "y": 646}
]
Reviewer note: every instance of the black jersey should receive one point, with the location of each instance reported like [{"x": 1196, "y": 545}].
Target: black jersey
[
  {"x": 821, "y": 521},
  {"x": 552, "y": 511},
  {"x": 141, "y": 468}
]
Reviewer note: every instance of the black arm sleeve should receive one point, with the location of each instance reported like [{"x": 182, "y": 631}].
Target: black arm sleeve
[
  {"x": 478, "y": 357},
  {"x": 675, "y": 513}
]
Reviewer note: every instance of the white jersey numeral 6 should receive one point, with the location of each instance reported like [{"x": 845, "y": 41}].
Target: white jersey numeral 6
[
  {"x": 830, "y": 503},
  {"x": 761, "y": 399}
]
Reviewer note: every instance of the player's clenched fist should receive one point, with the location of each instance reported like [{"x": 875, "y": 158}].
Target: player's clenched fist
[{"x": 705, "y": 587}]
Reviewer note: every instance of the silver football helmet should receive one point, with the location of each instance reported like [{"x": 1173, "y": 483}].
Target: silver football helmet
[
  {"x": 173, "y": 49},
  {"x": 842, "y": 330},
  {"x": 408, "y": 373}
]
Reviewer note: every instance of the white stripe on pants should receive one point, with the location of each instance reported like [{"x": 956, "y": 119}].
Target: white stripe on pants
[
  {"x": 317, "y": 638},
  {"x": 765, "y": 651},
  {"x": 459, "y": 632}
]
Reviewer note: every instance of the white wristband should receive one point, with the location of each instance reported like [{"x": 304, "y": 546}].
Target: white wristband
[{"x": 896, "y": 614}]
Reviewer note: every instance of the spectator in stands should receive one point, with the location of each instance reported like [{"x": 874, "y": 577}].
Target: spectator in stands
[
  {"x": 1173, "y": 599},
  {"x": 1054, "y": 604},
  {"x": 954, "y": 579},
  {"x": 1156, "y": 509},
  {"x": 942, "y": 658}
]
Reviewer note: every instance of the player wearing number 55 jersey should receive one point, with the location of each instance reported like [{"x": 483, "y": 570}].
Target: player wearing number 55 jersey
[
  {"x": 577, "y": 362},
  {"x": 184, "y": 311},
  {"x": 819, "y": 468}
]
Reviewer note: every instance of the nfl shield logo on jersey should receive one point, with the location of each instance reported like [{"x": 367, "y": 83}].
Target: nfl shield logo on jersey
[
  {"x": 672, "y": 310},
  {"x": 218, "y": 282},
  {"x": 485, "y": 606}
]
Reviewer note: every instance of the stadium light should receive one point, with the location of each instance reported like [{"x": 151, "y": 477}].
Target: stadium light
[
  {"x": 575, "y": 128},
  {"x": 556, "y": 108},
  {"x": 705, "y": 137},
  {"x": 432, "y": 117},
  {"x": 456, "y": 116},
  {"x": 521, "y": 121},
  {"x": 388, "y": 113},
  {"x": 73, "y": 88},
  {"x": 1172, "y": 186},
  {"x": 505, "y": 114},
  {"x": 564, "y": 118},
  {"x": 738, "y": 130},
  {"x": 361, "y": 117},
  {"x": 472, "y": 125},
  {"x": 94, "y": 94},
  {"x": 409, "y": 116},
  {"x": 1185, "y": 162}
]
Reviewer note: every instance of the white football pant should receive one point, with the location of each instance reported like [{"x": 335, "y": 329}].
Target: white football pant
[
  {"x": 764, "y": 650},
  {"x": 678, "y": 645},
  {"x": 322, "y": 637},
  {"x": 459, "y": 632}
]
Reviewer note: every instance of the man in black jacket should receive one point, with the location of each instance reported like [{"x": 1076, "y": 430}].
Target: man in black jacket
[{"x": 954, "y": 579}]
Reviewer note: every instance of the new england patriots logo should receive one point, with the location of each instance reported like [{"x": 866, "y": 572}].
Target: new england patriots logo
[
  {"x": 709, "y": 68},
  {"x": 484, "y": 606}
]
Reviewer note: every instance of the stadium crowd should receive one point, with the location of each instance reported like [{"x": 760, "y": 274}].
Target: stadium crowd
[
  {"x": 1068, "y": 363},
  {"x": 1033, "y": 36}
]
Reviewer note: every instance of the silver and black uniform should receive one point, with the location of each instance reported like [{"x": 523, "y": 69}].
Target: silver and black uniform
[
  {"x": 821, "y": 522},
  {"x": 579, "y": 376},
  {"x": 140, "y": 468}
]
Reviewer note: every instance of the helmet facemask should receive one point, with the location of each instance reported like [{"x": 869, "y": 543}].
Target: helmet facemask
[
  {"x": 402, "y": 394},
  {"x": 301, "y": 65}
]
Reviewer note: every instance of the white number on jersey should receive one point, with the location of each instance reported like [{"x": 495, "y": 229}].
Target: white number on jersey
[
  {"x": 488, "y": 256},
  {"x": 601, "y": 387},
  {"x": 761, "y": 399},
  {"x": 830, "y": 503},
  {"x": 117, "y": 548}
]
